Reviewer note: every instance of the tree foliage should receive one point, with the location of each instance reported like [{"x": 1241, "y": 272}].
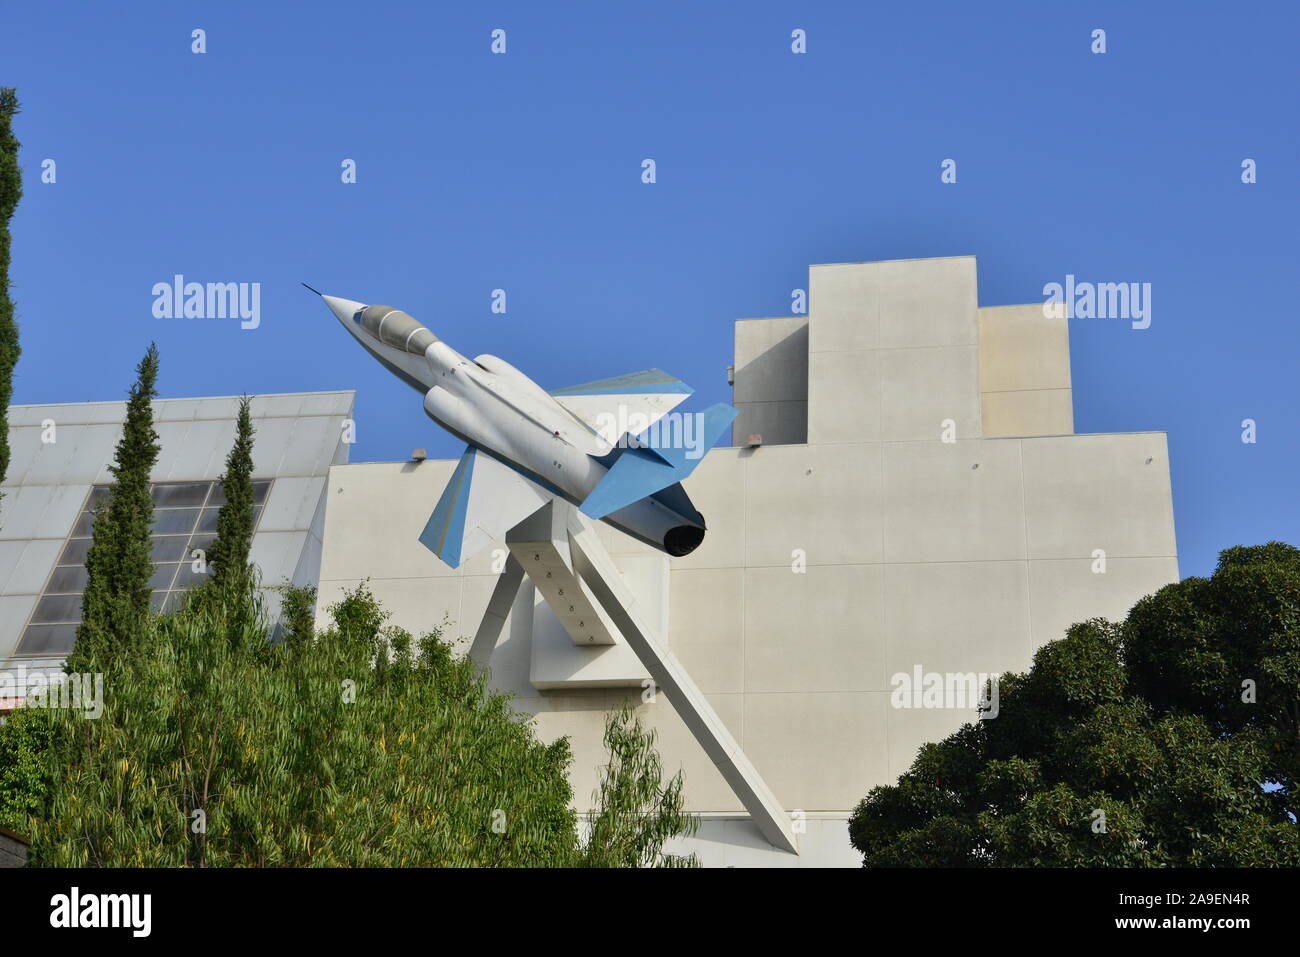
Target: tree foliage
[
  {"x": 115, "y": 603},
  {"x": 228, "y": 555},
  {"x": 635, "y": 813},
  {"x": 1167, "y": 739},
  {"x": 356, "y": 746},
  {"x": 11, "y": 190},
  {"x": 24, "y": 768},
  {"x": 298, "y": 614}
]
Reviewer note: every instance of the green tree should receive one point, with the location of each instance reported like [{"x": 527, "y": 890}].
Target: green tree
[
  {"x": 119, "y": 565},
  {"x": 228, "y": 555},
  {"x": 1168, "y": 739},
  {"x": 11, "y": 190},
  {"x": 356, "y": 747},
  {"x": 298, "y": 614},
  {"x": 24, "y": 769},
  {"x": 635, "y": 812}
]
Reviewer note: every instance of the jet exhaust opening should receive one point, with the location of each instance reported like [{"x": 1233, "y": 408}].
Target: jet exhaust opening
[{"x": 682, "y": 540}]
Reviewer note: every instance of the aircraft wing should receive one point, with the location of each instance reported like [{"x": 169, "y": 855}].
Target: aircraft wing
[
  {"x": 484, "y": 499},
  {"x": 625, "y": 403}
]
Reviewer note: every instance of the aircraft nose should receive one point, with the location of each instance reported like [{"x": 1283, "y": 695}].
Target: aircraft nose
[{"x": 343, "y": 309}]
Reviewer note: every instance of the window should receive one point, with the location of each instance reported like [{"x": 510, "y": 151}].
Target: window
[{"x": 184, "y": 519}]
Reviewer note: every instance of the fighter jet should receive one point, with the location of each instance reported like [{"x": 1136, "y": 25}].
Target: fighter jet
[{"x": 614, "y": 447}]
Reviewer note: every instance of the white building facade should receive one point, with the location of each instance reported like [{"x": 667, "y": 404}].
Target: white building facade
[
  {"x": 914, "y": 502},
  {"x": 904, "y": 497}
]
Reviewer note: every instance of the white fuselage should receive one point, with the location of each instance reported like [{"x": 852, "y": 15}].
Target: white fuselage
[{"x": 490, "y": 404}]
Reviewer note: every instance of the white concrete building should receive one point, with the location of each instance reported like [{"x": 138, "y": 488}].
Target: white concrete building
[
  {"x": 918, "y": 502},
  {"x": 915, "y": 501}
]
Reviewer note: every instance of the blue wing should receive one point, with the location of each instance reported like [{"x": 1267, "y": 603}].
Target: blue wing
[{"x": 484, "y": 499}]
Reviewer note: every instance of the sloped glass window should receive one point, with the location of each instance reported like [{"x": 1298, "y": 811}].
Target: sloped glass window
[
  {"x": 58, "y": 608},
  {"x": 48, "y": 640},
  {"x": 174, "y": 521},
  {"x": 184, "y": 519},
  {"x": 67, "y": 580},
  {"x": 188, "y": 576},
  {"x": 181, "y": 495},
  {"x": 163, "y": 576},
  {"x": 260, "y": 490},
  {"x": 168, "y": 548},
  {"x": 208, "y": 520},
  {"x": 74, "y": 553},
  {"x": 84, "y": 525}
]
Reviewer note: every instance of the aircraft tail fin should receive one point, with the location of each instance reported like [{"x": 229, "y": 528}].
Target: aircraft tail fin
[{"x": 659, "y": 458}]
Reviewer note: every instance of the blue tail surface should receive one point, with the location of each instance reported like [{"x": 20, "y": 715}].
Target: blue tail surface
[{"x": 660, "y": 457}]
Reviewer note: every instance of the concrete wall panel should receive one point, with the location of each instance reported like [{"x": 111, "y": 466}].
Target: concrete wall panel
[
  {"x": 1108, "y": 492},
  {"x": 707, "y": 633},
  {"x": 778, "y": 423},
  {"x": 956, "y": 502},
  {"x": 1022, "y": 350},
  {"x": 791, "y": 739},
  {"x": 926, "y": 302},
  {"x": 359, "y": 495},
  {"x": 921, "y": 388},
  {"x": 771, "y": 360},
  {"x": 1015, "y": 414},
  {"x": 844, "y": 397},
  {"x": 956, "y": 617},
  {"x": 841, "y": 297},
  {"x": 822, "y": 499},
  {"x": 818, "y": 631}
]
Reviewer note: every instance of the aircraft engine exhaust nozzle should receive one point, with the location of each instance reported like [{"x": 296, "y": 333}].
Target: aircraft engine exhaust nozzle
[{"x": 682, "y": 540}]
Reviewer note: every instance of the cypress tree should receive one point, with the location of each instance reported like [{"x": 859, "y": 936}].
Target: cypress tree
[
  {"x": 228, "y": 556},
  {"x": 119, "y": 564},
  {"x": 11, "y": 189}
]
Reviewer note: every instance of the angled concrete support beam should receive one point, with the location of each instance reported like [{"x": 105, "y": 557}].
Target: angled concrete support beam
[
  {"x": 557, "y": 548},
  {"x": 593, "y": 563},
  {"x": 540, "y": 543},
  {"x": 574, "y": 644},
  {"x": 498, "y": 609}
]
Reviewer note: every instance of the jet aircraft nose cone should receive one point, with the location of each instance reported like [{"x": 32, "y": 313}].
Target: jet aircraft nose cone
[{"x": 344, "y": 309}]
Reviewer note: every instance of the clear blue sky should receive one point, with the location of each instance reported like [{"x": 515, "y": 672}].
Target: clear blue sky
[{"x": 522, "y": 171}]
